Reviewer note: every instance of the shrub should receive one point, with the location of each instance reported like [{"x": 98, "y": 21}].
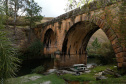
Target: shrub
[
  {"x": 34, "y": 50},
  {"x": 105, "y": 54},
  {"x": 38, "y": 70}
]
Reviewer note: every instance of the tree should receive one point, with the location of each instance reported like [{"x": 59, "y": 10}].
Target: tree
[
  {"x": 33, "y": 11},
  {"x": 32, "y": 15},
  {"x": 76, "y": 3},
  {"x": 8, "y": 61},
  {"x": 18, "y": 8},
  {"x": 96, "y": 45}
]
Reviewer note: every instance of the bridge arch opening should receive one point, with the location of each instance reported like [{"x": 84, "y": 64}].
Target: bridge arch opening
[
  {"x": 77, "y": 37},
  {"x": 100, "y": 50},
  {"x": 76, "y": 41},
  {"x": 50, "y": 39}
]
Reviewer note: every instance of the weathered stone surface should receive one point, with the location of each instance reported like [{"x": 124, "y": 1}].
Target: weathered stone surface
[
  {"x": 118, "y": 50},
  {"x": 124, "y": 64},
  {"x": 110, "y": 32},
  {"x": 120, "y": 65},
  {"x": 105, "y": 28},
  {"x": 115, "y": 41},
  {"x": 121, "y": 54},
  {"x": 124, "y": 59},
  {"x": 119, "y": 59},
  {"x": 116, "y": 45},
  {"x": 112, "y": 37}
]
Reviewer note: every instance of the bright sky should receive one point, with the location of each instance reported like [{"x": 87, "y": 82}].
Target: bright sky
[{"x": 52, "y": 8}]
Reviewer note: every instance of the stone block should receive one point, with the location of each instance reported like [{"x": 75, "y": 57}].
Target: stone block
[
  {"x": 115, "y": 41},
  {"x": 105, "y": 28},
  {"x": 124, "y": 49},
  {"x": 124, "y": 64},
  {"x": 119, "y": 59},
  {"x": 118, "y": 50},
  {"x": 83, "y": 17},
  {"x": 98, "y": 22},
  {"x": 120, "y": 65},
  {"x": 124, "y": 59},
  {"x": 102, "y": 24},
  {"x": 112, "y": 37},
  {"x": 121, "y": 54},
  {"x": 94, "y": 19},
  {"x": 116, "y": 45},
  {"x": 110, "y": 32},
  {"x": 77, "y": 19}
]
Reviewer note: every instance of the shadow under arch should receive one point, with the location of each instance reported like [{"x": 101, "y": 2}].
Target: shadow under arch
[{"x": 49, "y": 38}]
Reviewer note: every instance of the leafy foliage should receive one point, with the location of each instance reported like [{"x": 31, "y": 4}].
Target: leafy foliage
[
  {"x": 33, "y": 13},
  {"x": 38, "y": 70},
  {"x": 105, "y": 54},
  {"x": 8, "y": 60},
  {"x": 72, "y": 4},
  {"x": 96, "y": 45},
  {"x": 35, "y": 49},
  {"x": 16, "y": 7}
]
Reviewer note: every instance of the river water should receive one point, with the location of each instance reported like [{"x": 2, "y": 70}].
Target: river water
[
  {"x": 28, "y": 65},
  {"x": 48, "y": 63}
]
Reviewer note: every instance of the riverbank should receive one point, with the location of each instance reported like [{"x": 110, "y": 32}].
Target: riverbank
[
  {"x": 36, "y": 79},
  {"x": 65, "y": 78}
]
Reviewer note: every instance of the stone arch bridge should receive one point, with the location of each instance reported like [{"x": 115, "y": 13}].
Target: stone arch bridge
[{"x": 67, "y": 36}]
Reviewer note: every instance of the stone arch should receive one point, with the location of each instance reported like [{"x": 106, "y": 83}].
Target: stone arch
[
  {"x": 74, "y": 44},
  {"x": 49, "y": 38},
  {"x": 75, "y": 36}
]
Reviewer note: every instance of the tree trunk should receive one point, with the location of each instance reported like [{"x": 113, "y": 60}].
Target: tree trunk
[
  {"x": 15, "y": 20},
  {"x": 30, "y": 32},
  {"x": 7, "y": 13}
]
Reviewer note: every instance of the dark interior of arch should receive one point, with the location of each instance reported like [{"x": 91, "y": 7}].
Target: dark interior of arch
[
  {"x": 77, "y": 37},
  {"x": 49, "y": 38}
]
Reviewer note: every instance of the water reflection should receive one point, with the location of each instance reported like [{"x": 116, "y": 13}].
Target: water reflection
[{"x": 28, "y": 65}]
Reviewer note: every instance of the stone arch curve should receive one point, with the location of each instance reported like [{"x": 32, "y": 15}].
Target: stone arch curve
[
  {"x": 97, "y": 23},
  {"x": 49, "y": 41}
]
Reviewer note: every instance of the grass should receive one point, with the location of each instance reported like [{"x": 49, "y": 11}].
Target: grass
[
  {"x": 23, "y": 22},
  {"x": 90, "y": 76},
  {"x": 53, "y": 78},
  {"x": 81, "y": 78},
  {"x": 121, "y": 80},
  {"x": 102, "y": 68}
]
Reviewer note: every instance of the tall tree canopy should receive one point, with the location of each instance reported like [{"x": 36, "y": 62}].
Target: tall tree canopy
[{"x": 33, "y": 11}]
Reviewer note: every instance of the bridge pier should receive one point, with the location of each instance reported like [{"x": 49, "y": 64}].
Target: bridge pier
[{"x": 69, "y": 60}]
